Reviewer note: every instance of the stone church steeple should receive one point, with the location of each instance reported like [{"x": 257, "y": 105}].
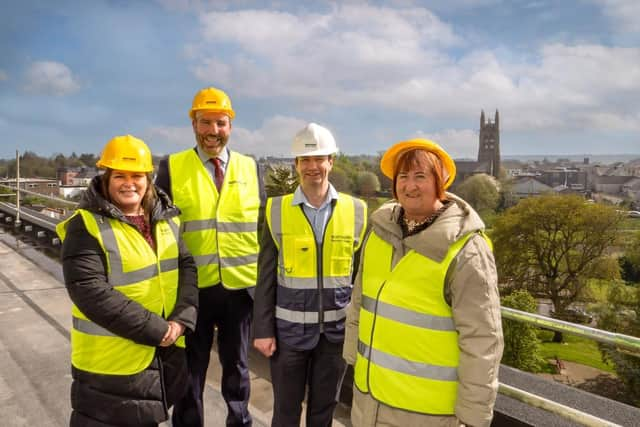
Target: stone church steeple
[{"x": 489, "y": 148}]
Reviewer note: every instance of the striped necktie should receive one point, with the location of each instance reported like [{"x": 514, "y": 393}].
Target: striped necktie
[{"x": 218, "y": 176}]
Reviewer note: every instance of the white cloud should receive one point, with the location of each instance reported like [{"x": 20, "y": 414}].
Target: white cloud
[
  {"x": 50, "y": 78},
  {"x": 459, "y": 143},
  {"x": 401, "y": 60},
  {"x": 272, "y": 138},
  {"x": 3, "y": 75},
  {"x": 623, "y": 13},
  {"x": 168, "y": 139},
  {"x": 576, "y": 86},
  {"x": 305, "y": 56}
]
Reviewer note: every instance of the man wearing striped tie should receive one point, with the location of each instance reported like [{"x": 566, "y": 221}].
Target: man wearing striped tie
[{"x": 220, "y": 194}]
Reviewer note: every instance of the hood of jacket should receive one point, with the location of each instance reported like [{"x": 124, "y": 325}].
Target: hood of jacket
[
  {"x": 94, "y": 201},
  {"x": 434, "y": 241}
]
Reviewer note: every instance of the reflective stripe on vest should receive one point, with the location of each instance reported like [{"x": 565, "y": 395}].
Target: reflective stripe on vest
[
  {"x": 408, "y": 346},
  {"x": 307, "y": 317},
  {"x": 133, "y": 269},
  {"x": 298, "y": 256},
  {"x": 219, "y": 228}
]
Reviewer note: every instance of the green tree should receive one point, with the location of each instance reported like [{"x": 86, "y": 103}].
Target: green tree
[
  {"x": 521, "y": 344},
  {"x": 88, "y": 159},
  {"x": 280, "y": 180},
  {"x": 617, "y": 315},
  {"x": 340, "y": 180},
  {"x": 630, "y": 261},
  {"x": 551, "y": 245},
  {"x": 481, "y": 191},
  {"x": 507, "y": 198},
  {"x": 367, "y": 184},
  {"x": 59, "y": 160}
]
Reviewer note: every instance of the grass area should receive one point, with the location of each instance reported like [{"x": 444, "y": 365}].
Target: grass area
[
  {"x": 598, "y": 291},
  {"x": 573, "y": 349},
  {"x": 630, "y": 224}
]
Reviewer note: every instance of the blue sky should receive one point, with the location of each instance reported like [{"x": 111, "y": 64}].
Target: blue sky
[{"x": 565, "y": 75}]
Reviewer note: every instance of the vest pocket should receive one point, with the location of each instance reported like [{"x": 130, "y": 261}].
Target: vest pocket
[
  {"x": 302, "y": 261},
  {"x": 341, "y": 258},
  {"x": 340, "y": 266}
]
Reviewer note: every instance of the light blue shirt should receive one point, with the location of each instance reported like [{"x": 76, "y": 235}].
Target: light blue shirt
[
  {"x": 318, "y": 217},
  {"x": 204, "y": 157}
]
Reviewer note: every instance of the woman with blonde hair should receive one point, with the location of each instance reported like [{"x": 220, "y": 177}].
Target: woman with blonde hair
[{"x": 423, "y": 330}]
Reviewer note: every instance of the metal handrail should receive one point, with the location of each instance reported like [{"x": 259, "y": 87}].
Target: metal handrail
[
  {"x": 27, "y": 213},
  {"x": 554, "y": 407},
  {"x": 34, "y": 193},
  {"x": 626, "y": 343}
]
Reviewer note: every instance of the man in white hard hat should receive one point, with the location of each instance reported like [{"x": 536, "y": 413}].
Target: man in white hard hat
[
  {"x": 305, "y": 269},
  {"x": 220, "y": 194}
]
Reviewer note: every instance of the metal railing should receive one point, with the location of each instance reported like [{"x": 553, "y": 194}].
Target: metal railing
[
  {"x": 625, "y": 343},
  {"x": 554, "y": 407},
  {"x": 36, "y": 194}
]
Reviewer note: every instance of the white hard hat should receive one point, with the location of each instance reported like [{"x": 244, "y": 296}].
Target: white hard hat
[{"x": 314, "y": 140}]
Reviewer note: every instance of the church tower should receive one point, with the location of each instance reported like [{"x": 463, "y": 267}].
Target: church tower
[{"x": 489, "y": 149}]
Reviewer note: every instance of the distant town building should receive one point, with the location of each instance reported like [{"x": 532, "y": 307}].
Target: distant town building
[
  {"x": 47, "y": 187},
  {"x": 266, "y": 164},
  {"x": 611, "y": 184},
  {"x": 528, "y": 186},
  {"x": 76, "y": 176},
  {"x": 631, "y": 189},
  {"x": 488, "y": 151},
  {"x": 570, "y": 178},
  {"x": 74, "y": 180}
]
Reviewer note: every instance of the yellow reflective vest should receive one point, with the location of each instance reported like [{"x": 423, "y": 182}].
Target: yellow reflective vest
[
  {"x": 220, "y": 229},
  {"x": 407, "y": 342},
  {"x": 314, "y": 279},
  {"x": 134, "y": 269}
]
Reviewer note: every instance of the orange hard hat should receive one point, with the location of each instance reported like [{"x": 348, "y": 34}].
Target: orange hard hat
[{"x": 389, "y": 160}]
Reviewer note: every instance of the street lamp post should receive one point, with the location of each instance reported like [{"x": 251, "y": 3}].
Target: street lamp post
[{"x": 17, "y": 223}]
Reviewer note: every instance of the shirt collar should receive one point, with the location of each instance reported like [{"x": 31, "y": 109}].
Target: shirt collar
[
  {"x": 300, "y": 198},
  {"x": 204, "y": 157}
]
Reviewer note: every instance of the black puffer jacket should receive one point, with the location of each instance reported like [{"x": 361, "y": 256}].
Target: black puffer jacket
[{"x": 125, "y": 400}]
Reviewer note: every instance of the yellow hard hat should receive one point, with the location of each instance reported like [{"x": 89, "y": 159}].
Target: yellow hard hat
[
  {"x": 389, "y": 159},
  {"x": 126, "y": 153},
  {"x": 212, "y": 99}
]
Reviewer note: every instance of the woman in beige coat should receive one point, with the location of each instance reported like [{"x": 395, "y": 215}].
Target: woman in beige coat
[{"x": 423, "y": 328}]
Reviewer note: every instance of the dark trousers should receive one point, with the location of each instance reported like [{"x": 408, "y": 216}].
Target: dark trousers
[
  {"x": 321, "y": 369},
  {"x": 229, "y": 311}
]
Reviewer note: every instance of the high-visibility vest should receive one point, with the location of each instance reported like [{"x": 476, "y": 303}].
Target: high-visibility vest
[
  {"x": 134, "y": 269},
  {"x": 220, "y": 229},
  {"x": 407, "y": 342},
  {"x": 314, "y": 279}
]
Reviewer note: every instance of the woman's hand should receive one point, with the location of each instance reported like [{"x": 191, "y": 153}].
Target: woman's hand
[{"x": 174, "y": 332}]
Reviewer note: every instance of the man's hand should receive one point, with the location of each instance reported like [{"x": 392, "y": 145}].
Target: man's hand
[
  {"x": 266, "y": 346},
  {"x": 173, "y": 333}
]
